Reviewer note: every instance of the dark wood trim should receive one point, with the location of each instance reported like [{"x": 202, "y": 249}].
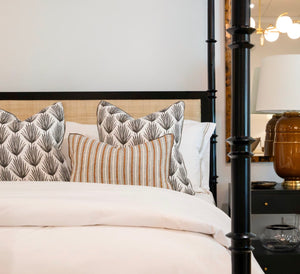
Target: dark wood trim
[
  {"x": 95, "y": 95},
  {"x": 240, "y": 140}
]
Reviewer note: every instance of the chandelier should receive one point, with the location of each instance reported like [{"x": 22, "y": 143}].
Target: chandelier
[{"x": 284, "y": 24}]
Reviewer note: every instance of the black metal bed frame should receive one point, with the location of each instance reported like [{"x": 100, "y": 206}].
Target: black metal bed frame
[{"x": 240, "y": 140}]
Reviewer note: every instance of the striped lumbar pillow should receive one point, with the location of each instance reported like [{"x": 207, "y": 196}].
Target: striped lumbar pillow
[{"x": 145, "y": 164}]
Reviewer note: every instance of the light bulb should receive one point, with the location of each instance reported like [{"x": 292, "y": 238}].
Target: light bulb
[
  {"x": 252, "y": 6},
  {"x": 294, "y": 31},
  {"x": 252, "y": 22},
  {"x": 271, "y": 33},
  {"x": 283, "y": 23}
]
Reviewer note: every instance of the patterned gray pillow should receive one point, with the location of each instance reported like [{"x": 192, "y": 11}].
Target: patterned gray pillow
[
  {"x": 30, "y": 149},
  {"x": 118, "y": 128}
]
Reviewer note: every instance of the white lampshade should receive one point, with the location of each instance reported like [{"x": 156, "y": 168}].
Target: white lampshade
[
  {"x": 283, "y": 23},
  {"x": 279, "y": 84},
  {"x": 294, "y": 31}
]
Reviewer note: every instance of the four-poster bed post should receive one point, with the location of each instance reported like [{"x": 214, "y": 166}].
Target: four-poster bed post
[
  {"x": 212, "y": 91},
  {"x": 240, "y": 139}
]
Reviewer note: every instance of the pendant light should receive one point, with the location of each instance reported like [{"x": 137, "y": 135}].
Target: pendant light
[
  {"x": 271, "y": 34},
  {"x": 283, "y": 22},
  {"x": 294, "y": 30}
]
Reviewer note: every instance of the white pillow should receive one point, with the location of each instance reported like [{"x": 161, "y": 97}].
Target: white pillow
[
  {"x": 195, "y": 149},
  {"x": 88, "y": 130}
]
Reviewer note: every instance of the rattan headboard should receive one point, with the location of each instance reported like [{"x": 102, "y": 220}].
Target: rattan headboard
[{"x": 85, "y": 111}]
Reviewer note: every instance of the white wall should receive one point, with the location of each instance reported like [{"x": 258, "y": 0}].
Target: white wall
[
  {"x": 102, "y": 45},
  {"x": 115, "y": 45}
]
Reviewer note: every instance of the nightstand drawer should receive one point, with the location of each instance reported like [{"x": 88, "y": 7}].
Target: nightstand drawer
[
  {"x": 277, "y": 262},
  {"x": 268, "y": 202}
]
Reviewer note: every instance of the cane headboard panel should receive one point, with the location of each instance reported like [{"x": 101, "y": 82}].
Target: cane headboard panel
[{"x": 84, "y": 111}]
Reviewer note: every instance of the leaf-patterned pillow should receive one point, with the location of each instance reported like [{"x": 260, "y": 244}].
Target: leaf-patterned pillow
[
  {"x": 30, "y": 149},
  {"x": 118, "y": 128}
]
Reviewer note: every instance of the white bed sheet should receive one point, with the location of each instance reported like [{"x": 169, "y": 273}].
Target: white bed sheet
[
  {"x": 206, "y": 196},
  {"x": 58, "y": 227}
]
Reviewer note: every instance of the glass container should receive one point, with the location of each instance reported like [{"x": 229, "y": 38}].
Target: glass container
[{"x": 280, "y": 238}]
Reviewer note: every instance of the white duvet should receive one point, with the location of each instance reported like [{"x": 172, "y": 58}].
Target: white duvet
[{"x": 80, "y": 228}]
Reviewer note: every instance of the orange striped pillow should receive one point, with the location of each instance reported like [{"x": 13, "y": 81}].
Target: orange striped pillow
[{"x": 145, "y": 164}]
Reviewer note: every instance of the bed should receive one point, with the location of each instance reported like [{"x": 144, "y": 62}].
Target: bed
[{"x": 129, "y": 221}]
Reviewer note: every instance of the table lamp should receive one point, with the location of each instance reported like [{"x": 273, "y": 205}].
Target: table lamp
[
  {"x": 270, "y": 126},
  {"x": 279, "y": 92}
]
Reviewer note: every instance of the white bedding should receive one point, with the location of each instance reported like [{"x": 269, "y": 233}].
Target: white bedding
[{"x": 76, "y": 228}]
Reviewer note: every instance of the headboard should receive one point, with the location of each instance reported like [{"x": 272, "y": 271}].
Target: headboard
[
  {"x": 85, "y": 113},
  {"x": 80, "y": 106}
]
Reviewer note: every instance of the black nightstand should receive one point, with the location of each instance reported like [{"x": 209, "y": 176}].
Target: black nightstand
[{"x": 276, "y": 201}]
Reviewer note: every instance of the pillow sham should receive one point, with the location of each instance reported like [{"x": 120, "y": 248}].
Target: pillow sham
[
  {"x": 195, "y": 149},
  {"x": 30, "y": 149},
  {"x": 145, "y": 164},
  {"x": 118, "y": 128}
]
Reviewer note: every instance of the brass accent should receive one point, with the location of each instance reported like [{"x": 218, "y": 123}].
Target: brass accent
[
  {"x": 282, "y": 14},
  {"x": 266, "y": 203},
  {"x": 265, "y": 269},
  {"x": 291, "y": 184},
  {"x": 259, "y": 29}
]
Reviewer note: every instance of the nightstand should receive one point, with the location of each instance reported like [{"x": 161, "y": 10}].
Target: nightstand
[{"x": 276, "y": 201}]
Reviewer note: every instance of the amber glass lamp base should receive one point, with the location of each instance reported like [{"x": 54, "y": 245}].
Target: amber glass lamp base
[
  {"x": 287, "y": 149},
  {"x": 270, "y": 132}
]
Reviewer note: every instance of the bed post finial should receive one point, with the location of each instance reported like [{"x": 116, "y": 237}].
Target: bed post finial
[{"x": 240, "y": 139}]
